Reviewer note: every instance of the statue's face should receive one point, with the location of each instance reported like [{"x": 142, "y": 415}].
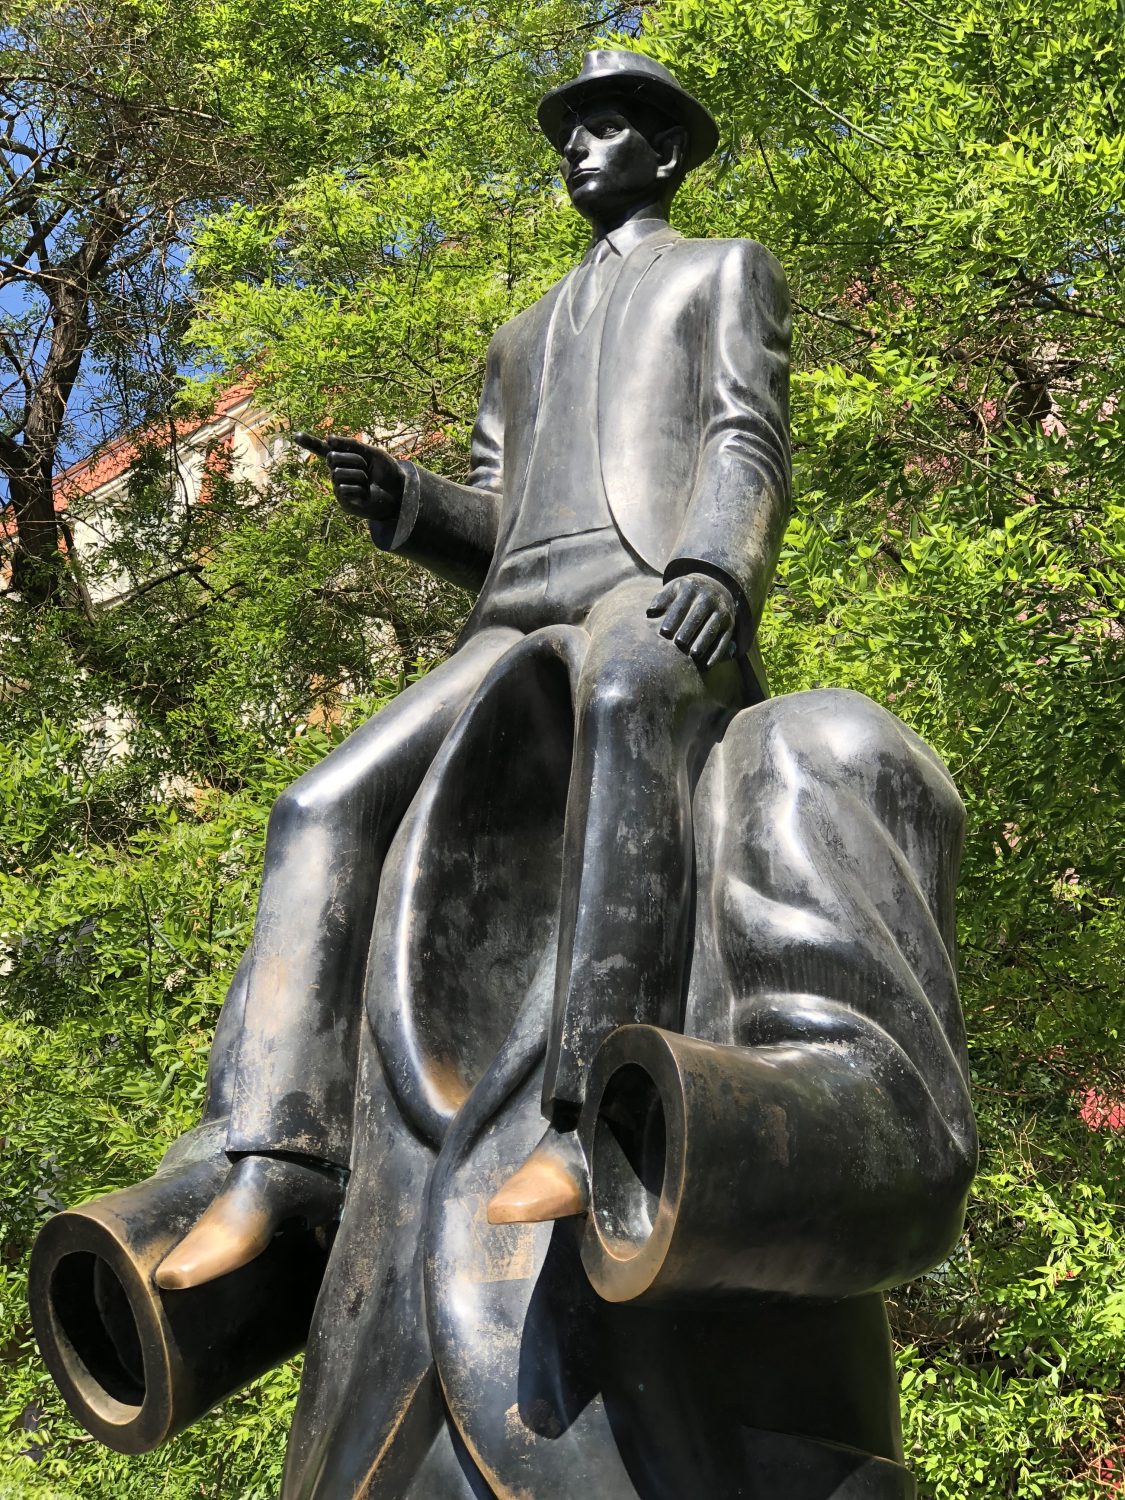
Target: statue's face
[{"x": 609, "y": 161}]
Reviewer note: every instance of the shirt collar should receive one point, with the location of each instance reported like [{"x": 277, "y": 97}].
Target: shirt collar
[{"x": 633, "y": 233}]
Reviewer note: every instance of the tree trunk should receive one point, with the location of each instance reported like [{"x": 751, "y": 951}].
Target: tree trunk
[{"x": 38, "y": 566}]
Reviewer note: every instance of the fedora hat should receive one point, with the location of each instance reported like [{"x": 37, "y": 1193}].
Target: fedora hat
[{"x": 625, "y": 74}]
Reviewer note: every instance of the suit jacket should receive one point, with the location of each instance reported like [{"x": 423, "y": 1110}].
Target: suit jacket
[{"x": 692, "y": 432}]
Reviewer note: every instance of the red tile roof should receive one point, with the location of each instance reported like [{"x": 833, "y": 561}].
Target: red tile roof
[
  {"x": 1102, "y": 1111},
  {"x": 113, "y": 459}
]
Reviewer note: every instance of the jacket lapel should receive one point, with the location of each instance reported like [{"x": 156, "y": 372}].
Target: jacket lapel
[
  {"x": 528, "y": 360},
  {"x": 637, "y": 265},
  {"x": 533, "y": 345}
]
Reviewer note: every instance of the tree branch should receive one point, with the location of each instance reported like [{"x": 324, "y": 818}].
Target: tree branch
[
  {"x": 154, "y": 583},
  {"x": 836, "y": 115},
  {"x": 1064, "y": 304},
  {"x": 834, "y": 318},
  {"x": 13, "y": 460}
]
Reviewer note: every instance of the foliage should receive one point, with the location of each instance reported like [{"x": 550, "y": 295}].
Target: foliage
[
  {"x": 120, "y": 949},
  {"x": 365, "y": 298},
  {"x": 944, "y": 191},
  {"x": 120, "y": 124}
]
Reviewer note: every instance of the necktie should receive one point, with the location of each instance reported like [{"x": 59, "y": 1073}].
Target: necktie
[{"x": 588, "y": 284}]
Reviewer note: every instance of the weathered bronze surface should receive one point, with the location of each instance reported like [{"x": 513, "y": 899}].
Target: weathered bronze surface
[{"x": 598, "y": 1059}]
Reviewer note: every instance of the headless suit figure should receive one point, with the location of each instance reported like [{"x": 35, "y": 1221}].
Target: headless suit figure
[{"x": 630, "y": 475}]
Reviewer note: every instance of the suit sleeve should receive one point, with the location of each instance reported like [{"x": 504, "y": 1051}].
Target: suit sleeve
[
  {"x": 448, "y": 528},
  {"x": 739, "y": 505}
]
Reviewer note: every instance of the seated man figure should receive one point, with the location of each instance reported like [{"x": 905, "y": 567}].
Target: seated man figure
[{"x": 630, "y": 477}]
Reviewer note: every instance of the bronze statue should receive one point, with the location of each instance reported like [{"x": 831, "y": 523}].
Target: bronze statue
[{"x": 598, "y": 1052}]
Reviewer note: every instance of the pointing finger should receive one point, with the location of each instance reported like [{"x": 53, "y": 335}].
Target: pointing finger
[
  {"x": 311, "y": 444},
  {"x": 348, "y": 445}
]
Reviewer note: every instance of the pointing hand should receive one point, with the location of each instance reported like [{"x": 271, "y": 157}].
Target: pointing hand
[{"x": 367, "y": 481}]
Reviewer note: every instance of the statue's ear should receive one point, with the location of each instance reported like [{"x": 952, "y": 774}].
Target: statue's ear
[{"x": 671, "y": 146}]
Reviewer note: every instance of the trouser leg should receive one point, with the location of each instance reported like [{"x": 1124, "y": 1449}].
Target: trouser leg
[
  {"x": 645, "y": 715},
  {"x": 327, "y": 837}
]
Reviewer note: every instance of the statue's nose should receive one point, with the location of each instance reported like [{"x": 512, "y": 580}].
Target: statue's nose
[{"x": 576, "y": 148}]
